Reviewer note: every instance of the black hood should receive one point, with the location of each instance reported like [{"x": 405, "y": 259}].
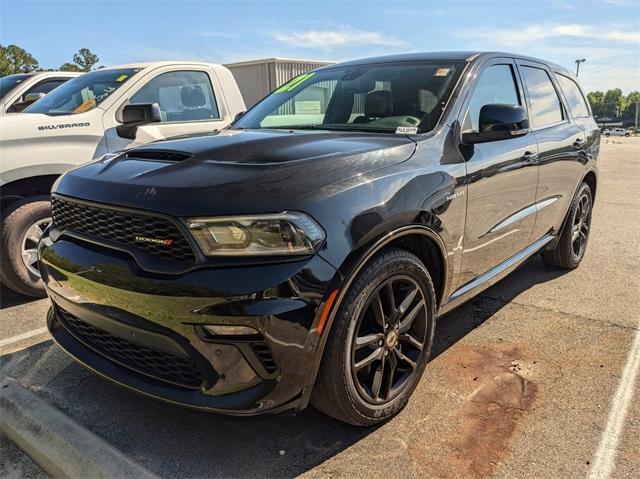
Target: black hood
[{"x": 233, "y": 172}]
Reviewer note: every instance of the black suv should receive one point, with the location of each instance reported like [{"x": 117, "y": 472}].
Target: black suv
[{"x": 304, "y": 254}]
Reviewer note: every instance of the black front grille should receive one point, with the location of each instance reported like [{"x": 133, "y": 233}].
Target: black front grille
[
  {"x": 158, "y": 155},
  {"x": 156, "y": 236},
  {"x": 181, "y": 371}
]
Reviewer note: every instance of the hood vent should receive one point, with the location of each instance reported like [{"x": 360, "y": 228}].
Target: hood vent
[{"x": 158, "y": 155}]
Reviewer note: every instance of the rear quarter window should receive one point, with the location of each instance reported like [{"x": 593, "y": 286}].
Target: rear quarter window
[{"x": 574, "y": 96}]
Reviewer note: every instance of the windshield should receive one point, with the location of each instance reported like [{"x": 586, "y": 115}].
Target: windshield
[
  {"x": 82, "y": 93},
  {"x": 9, "y": 82},
  {"x": 402, "y": 97}
]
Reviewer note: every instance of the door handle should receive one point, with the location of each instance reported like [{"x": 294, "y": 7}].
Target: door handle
[
  {"x": 579, "y": 143},
  {"x": 530, "y": 157}
]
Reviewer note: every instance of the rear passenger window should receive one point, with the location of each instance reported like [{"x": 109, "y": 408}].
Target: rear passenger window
[
  {"x": 575, "y": 99},
  {"x": 546, "y": 108},
  {"x": 182, "y": 96},
  {"x": 496, "y": 85}
]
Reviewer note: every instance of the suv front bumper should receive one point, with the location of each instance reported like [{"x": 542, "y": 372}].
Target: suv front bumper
[{"x": 145, "y": 331}]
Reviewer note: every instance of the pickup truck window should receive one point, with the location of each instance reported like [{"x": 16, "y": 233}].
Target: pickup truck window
[
  {"x": 376, "y": 98},
  {"x": 182, "y": 96},
  {"x": 82, "y": 93},
  {"x": 9, "y": 82},
  {"x": 546, "y": 108},
  {"x": 575, "y": 99}
]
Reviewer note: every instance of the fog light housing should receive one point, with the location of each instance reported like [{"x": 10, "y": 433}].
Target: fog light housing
[{"x": 220, "y": 330}]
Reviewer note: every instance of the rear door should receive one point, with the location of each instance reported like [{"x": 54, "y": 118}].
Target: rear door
[
  {"x": 502, "y": 178},
  {"x": 561, "y": 144},
  {"x": 190, "y": 101}
]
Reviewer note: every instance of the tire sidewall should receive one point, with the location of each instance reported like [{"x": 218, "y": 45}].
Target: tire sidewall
[
  {"x": 15, "y": 223},
  {"x": 398, "y": 266}
]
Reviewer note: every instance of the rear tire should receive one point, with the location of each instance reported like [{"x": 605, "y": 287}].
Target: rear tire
[
  {"x": 21, "y": 221},
  {"x": 393, "y": 289},
  {"x": 572, "y": 244}
]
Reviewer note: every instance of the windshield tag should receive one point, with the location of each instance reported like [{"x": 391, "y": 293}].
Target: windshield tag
[{"x": 406, "y": 130}]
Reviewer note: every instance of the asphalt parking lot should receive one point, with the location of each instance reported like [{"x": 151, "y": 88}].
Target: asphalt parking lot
[{"x": 531, "y": 379}]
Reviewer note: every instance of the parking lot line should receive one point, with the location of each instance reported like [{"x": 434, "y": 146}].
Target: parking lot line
[
  {"x": 22, "y": 337},
  {"x": 605, "y": 458}
]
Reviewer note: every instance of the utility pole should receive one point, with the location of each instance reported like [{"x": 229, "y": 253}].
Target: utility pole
[{"x": 578, "y": 62}]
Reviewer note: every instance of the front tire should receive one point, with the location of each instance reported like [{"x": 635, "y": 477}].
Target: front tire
[
  {"x": 380, "y": 341},
  {"x": 23, "y": 222},
  {"x": 572, "y": 244}
]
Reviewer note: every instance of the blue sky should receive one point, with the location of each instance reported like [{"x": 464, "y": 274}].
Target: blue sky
[{"x": 605, "y": 32}]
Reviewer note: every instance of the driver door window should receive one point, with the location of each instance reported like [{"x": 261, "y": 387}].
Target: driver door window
[
  {"x": 496, "y": 85},
  {"x": 182, "y": 96}
]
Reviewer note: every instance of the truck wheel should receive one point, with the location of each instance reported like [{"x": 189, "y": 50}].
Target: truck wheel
[
  {"x": 23, "y": 223},
  {"x": 380, "y": 341},
  {"x": 569, "y": 250}
]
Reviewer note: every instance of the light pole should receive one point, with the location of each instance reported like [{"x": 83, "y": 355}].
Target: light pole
[{"x": 578, "y": 62}]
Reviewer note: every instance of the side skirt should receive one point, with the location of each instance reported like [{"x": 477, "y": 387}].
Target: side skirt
[{"x": 495, "y": 274}]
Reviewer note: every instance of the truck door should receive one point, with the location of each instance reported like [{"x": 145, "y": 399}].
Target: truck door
[
  {"x": 502, "y": 177},
  {"x": 190, "y": 99}
]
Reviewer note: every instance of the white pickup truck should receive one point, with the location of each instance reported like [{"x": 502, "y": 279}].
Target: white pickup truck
[
  {"x": 19, "y": 91},
  {"x": 97, "y": 113}
]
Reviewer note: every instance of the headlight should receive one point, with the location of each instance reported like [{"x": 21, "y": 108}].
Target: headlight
[{"x": 284, "y": 234}]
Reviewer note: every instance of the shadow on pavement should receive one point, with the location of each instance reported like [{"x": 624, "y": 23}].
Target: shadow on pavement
[
  {"x": 9, "y": 298},
  {"x": 176, "y": 442}
]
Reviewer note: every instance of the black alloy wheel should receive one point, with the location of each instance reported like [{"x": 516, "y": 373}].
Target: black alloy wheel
[
  {"x": 580, "y": 226},
  {"x": 569, "y": 250},
  {"x": 380, "y": 341},
  {"x": 388, "y": 339}
]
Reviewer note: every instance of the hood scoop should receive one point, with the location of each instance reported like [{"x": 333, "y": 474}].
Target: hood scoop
[{"x": 158, "y": 155}]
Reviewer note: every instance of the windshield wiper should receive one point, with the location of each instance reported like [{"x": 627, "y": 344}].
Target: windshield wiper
[{"x": 337, "y": 127}]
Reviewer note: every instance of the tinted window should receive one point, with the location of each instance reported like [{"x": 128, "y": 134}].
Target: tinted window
[
  {"x": 575, "y": 99},
  {"x": 546, "y": 108},
  {"x": 45, "y": 86},
  {"x": 496, "y": 85},
  {"x": 370, "y": 97},
  {"x": 182, "y": 96}
]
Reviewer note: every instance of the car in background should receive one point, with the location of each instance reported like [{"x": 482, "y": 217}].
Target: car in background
[
  {"x": 616, "y": 132},
  {"x": 97, "y": 113},
  {"x": 19, "y": 91},
  {"x": 305, "y": 253}
]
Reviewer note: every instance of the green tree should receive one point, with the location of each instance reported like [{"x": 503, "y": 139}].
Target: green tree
[
  {"x": 613, "y": 103},
  {"x": 596, "y": 100},
  {"x": 629, "y": 112},
  {"x": 83, "y": 61},
  {"x": 14, "y": 59}
]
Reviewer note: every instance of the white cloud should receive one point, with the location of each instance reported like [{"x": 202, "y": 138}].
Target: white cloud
[
  {"x": 537, "y": 33},
  {"x": 330, "y": 39}
]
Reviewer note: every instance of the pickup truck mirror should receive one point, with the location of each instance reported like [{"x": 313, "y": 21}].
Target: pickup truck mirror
[
  {"x": 498, "y": 122},
  {"x": 30, "y": 98},
  {"x": 134, "y": 115}
]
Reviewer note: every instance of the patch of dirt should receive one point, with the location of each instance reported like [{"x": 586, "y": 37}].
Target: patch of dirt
[{"x": 492, "y": 396}]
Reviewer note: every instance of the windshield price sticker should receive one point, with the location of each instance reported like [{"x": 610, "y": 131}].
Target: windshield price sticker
[{"x": 406, "y": 130}]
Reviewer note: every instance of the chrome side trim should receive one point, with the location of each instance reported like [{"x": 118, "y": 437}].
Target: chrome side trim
[
  {"x": 496, "y": 273},
  {"x": 524, "y": 213}
]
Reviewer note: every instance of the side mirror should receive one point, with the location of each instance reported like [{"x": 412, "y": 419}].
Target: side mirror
[
  {"x": 24, "y": 102},
  {"x": 498, "y": 122},
  {"x": 134, "y": 115},
  {"x": 30, "y": 98}
]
